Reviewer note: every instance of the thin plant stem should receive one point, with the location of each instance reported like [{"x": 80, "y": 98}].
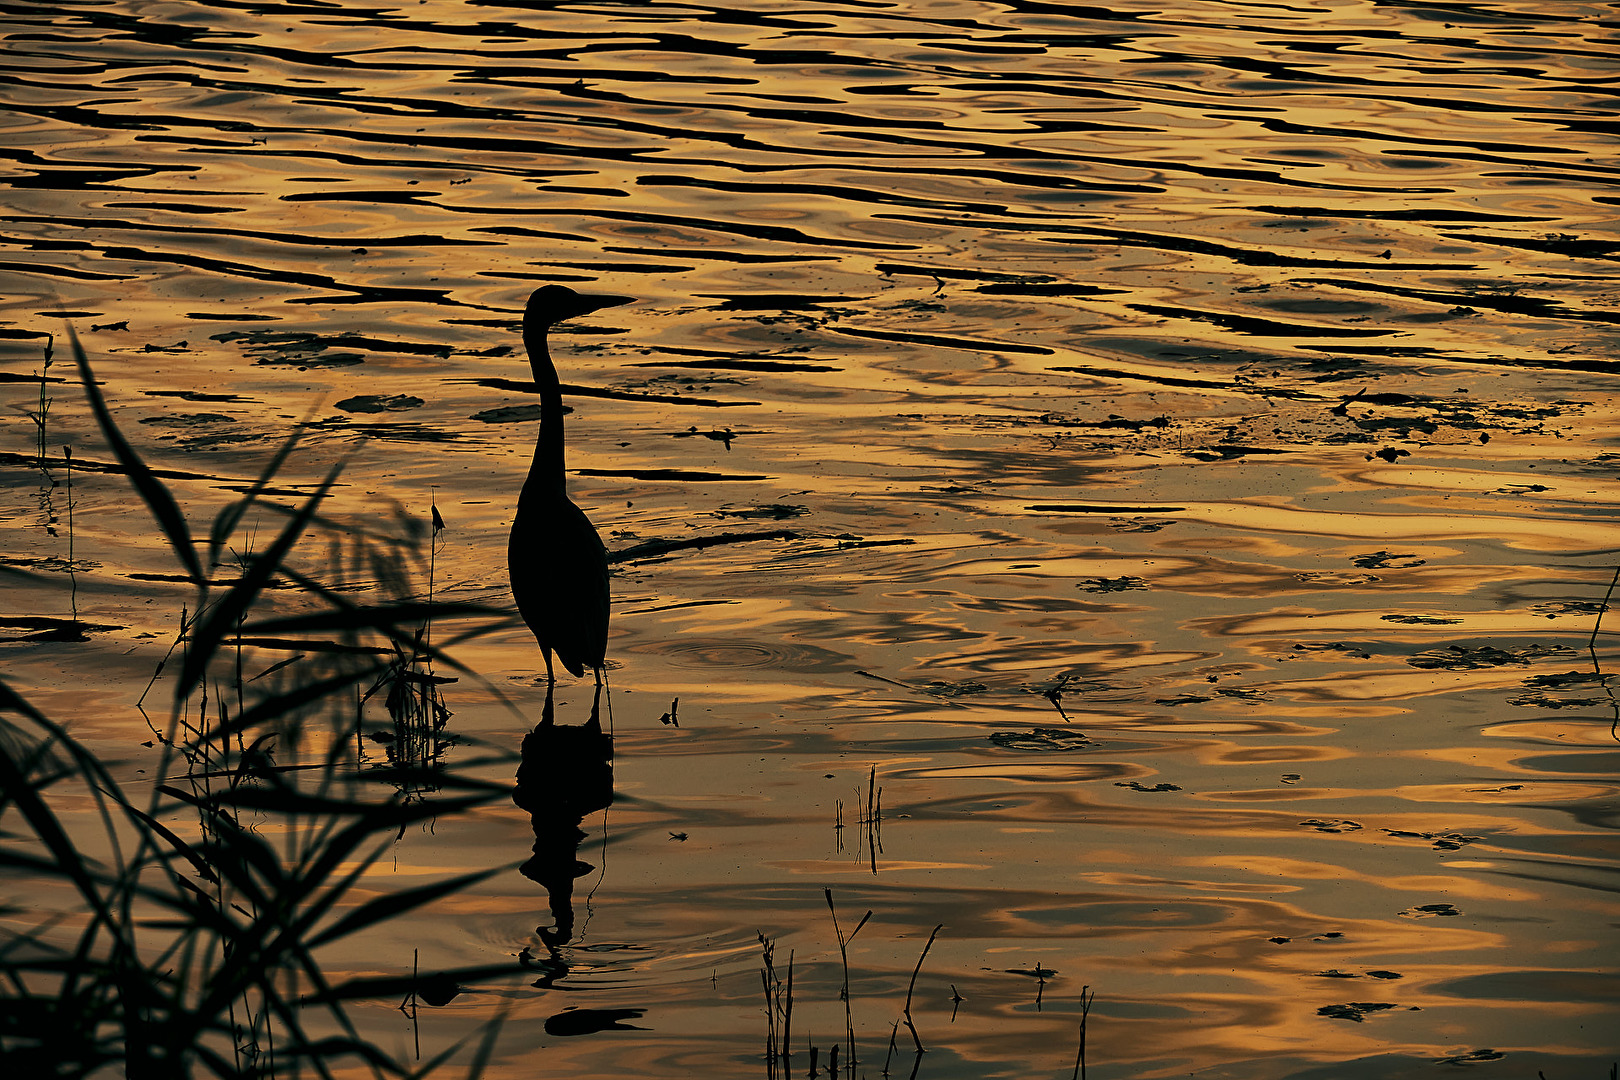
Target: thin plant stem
[
  {"x": 1591, "y": 643},
  {"x": 1085, "y": 1010},
  {"x": 843, "y": 952},
  {"x": 911, "y": 988},
  {"x": 73, "y": 576}
]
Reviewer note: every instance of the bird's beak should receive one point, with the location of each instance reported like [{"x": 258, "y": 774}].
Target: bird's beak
[{"x": 589, "y": 302}]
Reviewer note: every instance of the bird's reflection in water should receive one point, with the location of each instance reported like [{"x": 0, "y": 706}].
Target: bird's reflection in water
[{"x": 566, "y": 772}]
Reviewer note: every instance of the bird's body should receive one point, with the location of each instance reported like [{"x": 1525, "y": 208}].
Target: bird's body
[
  {"x": 560, "y": 580},
  {"x": 557, "y": 563}
]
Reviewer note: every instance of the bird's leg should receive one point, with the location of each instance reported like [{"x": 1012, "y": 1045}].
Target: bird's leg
[
  {"x": 594, "y": 724},
  {"x": 548, "y": 713}
]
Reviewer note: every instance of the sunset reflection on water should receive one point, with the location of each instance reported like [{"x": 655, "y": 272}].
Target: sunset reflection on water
[{"x": 1172, "y": 445}]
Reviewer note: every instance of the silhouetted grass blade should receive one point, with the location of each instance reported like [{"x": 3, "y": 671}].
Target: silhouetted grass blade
[
  {"x": 382, "y": 617},
  {"x": 206, "y": 638},
  {"x": 226, "y": 520},
  {"x": 152, "y": 490},
  {"x": 281, "y": 705},
  {"x": 24, "y": 791},
  {"x": 183, "y": 849},
  {"x": 386, "y": 907},
  {"x": 390, "y": 627},
  {"x": 380, "y": 987},
  {"x": 381, "y": 816}
]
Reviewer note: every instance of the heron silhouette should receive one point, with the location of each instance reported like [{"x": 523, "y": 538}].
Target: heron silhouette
[{"x": 556, "y": 560}]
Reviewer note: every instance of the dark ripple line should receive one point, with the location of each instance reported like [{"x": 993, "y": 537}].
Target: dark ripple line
[
  {"x": 1289, "y": 127},
  {"x": 1093, "y": 234},
  {"x": 1585, "y": 249},
  {"x": 1596, "y": 174},
  {"x": 864, "y": 196},
  {"x": 1005, "y": 176},
  {"x": 355, "y": 294},
  {"x": 1155, "y": 379},
  {"x": 714, "y": 256},
  {"x": 759, "y": 232},
  {"x": 84, "y": 176},
  {"x": 964, "y": 343},
  {"x": 577, "y": 390},
  {"x": 214, "y": 146},
  {"x": 671, "y": 474},
  {"x": 1426, "y": 213},
  {"x": 1287, "y": 72},
  {"x": 1605, "y": 367},
  {"x": 952, "y": 273},
  {"x": 1248, "y": 324},
  {"x": 1244, "y": 175},
  {"x": 1361, "y": 48},
  {"x": 46, "y": 270},
  {"x": 1512, "y": 304},
  {"x": 120, "y": 224},
  {"x": 1132, "y": 95}
]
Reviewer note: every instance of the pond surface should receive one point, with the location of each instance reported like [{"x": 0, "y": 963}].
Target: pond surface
[{"x": 1169, "y": 450}]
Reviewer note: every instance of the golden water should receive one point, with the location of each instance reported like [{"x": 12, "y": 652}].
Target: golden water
[{"x": 1028, "y": 322}]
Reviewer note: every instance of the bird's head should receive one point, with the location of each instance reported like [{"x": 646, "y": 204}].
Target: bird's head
[{"x": 551, "y": 304}]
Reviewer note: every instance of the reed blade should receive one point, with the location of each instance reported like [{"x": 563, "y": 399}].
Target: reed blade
[
  {"x": 206, "y": 638},
  {"x": 154, "y": 493}
]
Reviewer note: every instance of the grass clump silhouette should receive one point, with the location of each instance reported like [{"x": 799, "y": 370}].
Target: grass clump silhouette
[{"x": 176, "y": 930}]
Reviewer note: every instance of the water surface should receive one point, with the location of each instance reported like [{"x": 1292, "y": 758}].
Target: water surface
[{"x": 1179, "y": 439}]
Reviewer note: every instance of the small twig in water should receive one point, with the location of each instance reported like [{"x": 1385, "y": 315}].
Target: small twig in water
[
  {"x": 843, "y": 951},
  {"x": 1055, "y": 696},
  {"x": 914, "y": 973},
  {"x": 44, "y": 407},
  {"x": 1085, "y": 1011},
  {"x": 73, "y": 576},
  {"x": 1597, "y": 667},
  {"x": 1591, "y": 643}
]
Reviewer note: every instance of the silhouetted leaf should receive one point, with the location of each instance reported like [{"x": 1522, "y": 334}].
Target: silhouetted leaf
[
  {"x": 206, "y": 637},
  {"x": 273, "y": 708},
  {"x": 386, "y": 907},
  {"x": 226, "y": 520},
  {"x": 355, "y": 617},
  {"x": 153, "y": 492}
]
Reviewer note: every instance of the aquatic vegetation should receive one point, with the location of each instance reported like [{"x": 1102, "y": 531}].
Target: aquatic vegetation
[{"x": 184, "y": 934}]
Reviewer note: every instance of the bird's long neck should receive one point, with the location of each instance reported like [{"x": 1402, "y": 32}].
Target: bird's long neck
[{"x": 546, "y": 471}]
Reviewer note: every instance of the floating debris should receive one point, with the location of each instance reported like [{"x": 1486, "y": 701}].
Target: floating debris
[
  {"x": 376, "y": 403},
  {"x": 1443, "y": 841},
  {"x": 1355, "y": 1010},
  {"x": 1041, "y": 740},
  {"x": 1331, "y": 825}
]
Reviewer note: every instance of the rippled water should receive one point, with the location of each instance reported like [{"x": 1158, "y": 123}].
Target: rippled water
[{"x": 1182, "y": 434}]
